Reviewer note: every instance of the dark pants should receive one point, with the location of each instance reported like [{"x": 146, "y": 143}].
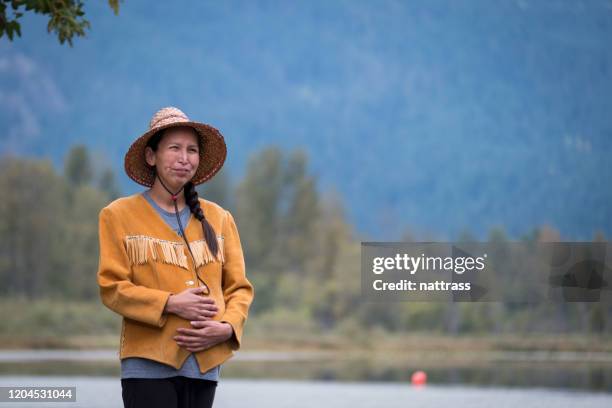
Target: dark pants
[{"x": 173, "y": 392}]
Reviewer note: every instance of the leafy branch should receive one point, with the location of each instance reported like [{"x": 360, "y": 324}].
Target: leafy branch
[{"x": 66, "y": 17}]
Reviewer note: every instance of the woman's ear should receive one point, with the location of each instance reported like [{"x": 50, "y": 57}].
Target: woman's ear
[{"x": 150, "y": 156}]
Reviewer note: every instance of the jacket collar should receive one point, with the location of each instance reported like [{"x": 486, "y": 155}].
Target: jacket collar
[{"x": 190, "y": 228}]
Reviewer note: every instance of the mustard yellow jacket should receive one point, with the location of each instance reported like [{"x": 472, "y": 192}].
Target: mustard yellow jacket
[{"x": 143, "y": 261}]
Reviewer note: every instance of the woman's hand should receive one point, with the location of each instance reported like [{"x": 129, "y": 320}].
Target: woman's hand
[
  {"x": 190, "y": 305},
  {"x": 203, "y": 335}
]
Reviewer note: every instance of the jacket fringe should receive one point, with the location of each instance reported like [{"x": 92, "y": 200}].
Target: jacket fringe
[{"x": 142, "y": 248}]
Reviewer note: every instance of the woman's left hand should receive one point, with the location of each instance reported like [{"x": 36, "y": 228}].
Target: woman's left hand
[{"x": 203, "y": 334}]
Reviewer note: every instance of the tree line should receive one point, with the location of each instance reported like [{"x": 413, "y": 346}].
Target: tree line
[{"x": 302, "y": 254}]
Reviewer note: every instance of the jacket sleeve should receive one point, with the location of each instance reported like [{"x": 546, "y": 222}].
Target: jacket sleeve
[
  {"x": 117, "y": 290},
  {"x": 237, "y": 290}
]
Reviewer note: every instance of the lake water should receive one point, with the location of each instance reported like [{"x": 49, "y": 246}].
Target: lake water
[
  {"x": 298, "y": 379},
  {"x": 105, "y": 392}
]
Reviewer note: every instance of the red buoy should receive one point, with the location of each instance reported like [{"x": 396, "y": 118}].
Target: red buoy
[{"x": 419, "y": 378}]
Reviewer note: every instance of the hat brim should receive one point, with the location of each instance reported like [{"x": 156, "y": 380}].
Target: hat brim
[{"x": 212, "y": 154}]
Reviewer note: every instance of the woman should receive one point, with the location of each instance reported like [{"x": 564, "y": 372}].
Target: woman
[{"x": 171, "y": 264}]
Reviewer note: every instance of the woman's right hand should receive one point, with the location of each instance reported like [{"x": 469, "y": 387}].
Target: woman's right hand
[{"x": 191, "y": 305}]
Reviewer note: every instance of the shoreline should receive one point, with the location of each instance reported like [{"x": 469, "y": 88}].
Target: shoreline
[
  {"x": 8, "y": 356},
  {"x": 339, "y": 343}
]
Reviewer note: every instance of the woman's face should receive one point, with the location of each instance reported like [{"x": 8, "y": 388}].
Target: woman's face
[{"x": 177, "y": 156}]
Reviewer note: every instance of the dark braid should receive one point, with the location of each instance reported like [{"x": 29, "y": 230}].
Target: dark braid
[{"x": 191, "y": 198}]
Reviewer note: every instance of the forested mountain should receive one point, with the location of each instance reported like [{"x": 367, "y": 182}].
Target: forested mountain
[{"x": 435, "y": 116}]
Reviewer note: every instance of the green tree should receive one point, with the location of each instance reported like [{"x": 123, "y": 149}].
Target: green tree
[
  {"x": 77, "y": 168},
  {"x": 30, "y": 221},
  {"x": 257, "y": 215},
  {"x": 258, "y": 206},
  {"x": 108, "y": 184},
  {"x": 299, "y": 220},
  {"x": 49, "y": 241},
  {"x": 333, "y": 289},
  {"x": 218, "y": 190},
  {"x": 66, "y": 17},
  {"x": 79, "y": 244}
]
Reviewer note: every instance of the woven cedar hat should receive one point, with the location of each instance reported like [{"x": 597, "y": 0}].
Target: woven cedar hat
[{"x": 212, "y": 152}]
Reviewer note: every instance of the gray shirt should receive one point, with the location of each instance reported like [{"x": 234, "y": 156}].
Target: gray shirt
[{"x": 135, "y": 367}]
